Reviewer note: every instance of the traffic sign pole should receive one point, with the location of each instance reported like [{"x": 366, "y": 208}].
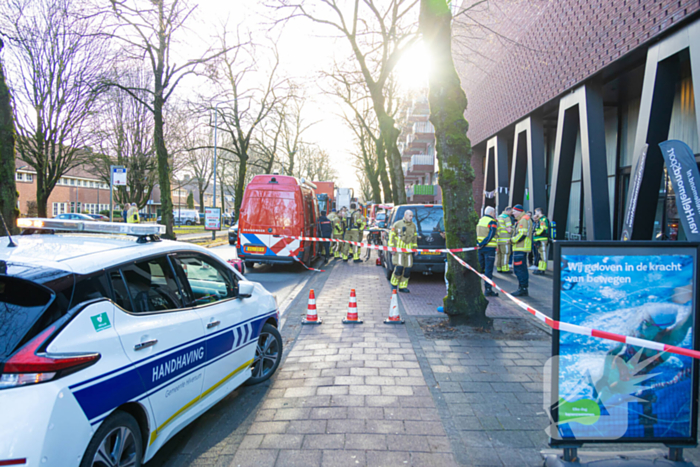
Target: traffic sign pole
[{"x": 111, "y": 193}]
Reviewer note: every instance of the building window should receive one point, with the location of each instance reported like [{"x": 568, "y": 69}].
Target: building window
[
  {"x": 18, "y": 177},
  {"x": 71, "y": 181},
  {"x": 30, "y": 177}
]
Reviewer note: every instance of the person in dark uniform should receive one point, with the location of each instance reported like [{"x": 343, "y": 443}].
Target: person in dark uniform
[
  {"x": 486, "y": 241},
  {"x": 325, "y": 229}
]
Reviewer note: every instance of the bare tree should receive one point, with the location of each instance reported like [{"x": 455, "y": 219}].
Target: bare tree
[
  {"x": 366, "y": 155},
  {"x": 59, "y": 56},
  {"x": 447, "y": 105},
  {"x": 378, "y": 34},
  {"x": 250, "y": 92},
  {"x": 293, "y": 128},
  {"x": 351, "y": 91},
  {"x": 8, "y": 187},
  {"x": 125, "y": 135},
  {"x": 152, "y": 25},
  {"x": 314, "y": 163},
  {"x": 199, "y": 160}
]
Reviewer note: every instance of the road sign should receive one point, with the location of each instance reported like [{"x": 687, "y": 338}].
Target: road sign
[
  {"x": 212, "y": 218},
  {"x": 118, "y": 175}
]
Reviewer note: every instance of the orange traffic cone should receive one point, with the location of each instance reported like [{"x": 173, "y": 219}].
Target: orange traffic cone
[
  {"x": 394, "y": 317},
  {"x": 311, "y": 314},
  {"x": 352, "y": 310}
]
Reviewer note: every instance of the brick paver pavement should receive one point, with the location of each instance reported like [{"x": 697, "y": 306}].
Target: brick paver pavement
[{"x": 349, "y": 394}]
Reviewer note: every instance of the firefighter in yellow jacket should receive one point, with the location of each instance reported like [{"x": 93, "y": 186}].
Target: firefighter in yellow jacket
[
  {"x": 541, "y": 239},
  {"x": 354, "y": 232},
  {"x": 503, "y": 235},
  {"x": 486, "y": 231},
  {"x": 404, "y": 234},
  {"x": 338, "y": 232},
  {"x": 522, "y": 245}
]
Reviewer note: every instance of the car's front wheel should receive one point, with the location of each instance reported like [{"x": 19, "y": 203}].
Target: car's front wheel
[
  {"x": 268, "y": 354},
  {"x": 117, "y": 443}
]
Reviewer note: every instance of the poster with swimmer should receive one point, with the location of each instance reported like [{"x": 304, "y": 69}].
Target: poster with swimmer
[{"x": 607, "y": 391}]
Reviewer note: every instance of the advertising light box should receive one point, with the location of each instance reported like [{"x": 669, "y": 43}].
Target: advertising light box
[
  {"x": 609, "y": 391},
  {"x": 212, "y": 219}
]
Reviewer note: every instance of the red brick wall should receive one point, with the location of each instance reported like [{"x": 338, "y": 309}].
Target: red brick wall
[
  {"x": 515, "y": 55},
  {"x": 60, "y": 194}
]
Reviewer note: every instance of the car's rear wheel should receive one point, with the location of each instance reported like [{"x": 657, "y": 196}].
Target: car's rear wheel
[
  {"x": 268, "y": 354},
  {"x": 231, "y": 241},
  {"x": 189, "y": 223},
  {"x": 249, "y": 264},
  {"x": 117, "y": 443}
]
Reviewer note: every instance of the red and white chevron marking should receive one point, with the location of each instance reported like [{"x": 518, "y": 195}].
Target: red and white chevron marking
[
  {"x": 379, "y": 247},
  {"x": 634, "y": 341}
]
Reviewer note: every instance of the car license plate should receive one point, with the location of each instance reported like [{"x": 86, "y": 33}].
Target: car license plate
[
  {"x": 254, "y": 249},
  {"x": 429, "y": 252}
]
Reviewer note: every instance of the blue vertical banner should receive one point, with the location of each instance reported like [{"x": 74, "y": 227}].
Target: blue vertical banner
[{"x": 683, "y": 170}]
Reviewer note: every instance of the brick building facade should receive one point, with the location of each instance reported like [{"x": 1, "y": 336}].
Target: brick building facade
[{"x": 525, "y": 63}]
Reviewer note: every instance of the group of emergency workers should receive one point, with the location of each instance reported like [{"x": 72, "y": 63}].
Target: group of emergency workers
[
  {"x": 349, "y": 227},
  {"x": 510, "y": 238}
]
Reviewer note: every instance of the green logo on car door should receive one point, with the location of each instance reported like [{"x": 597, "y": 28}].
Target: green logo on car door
[{"x": 100, "y": 322}]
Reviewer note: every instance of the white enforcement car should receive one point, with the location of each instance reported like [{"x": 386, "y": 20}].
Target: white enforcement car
[{"x": 110, "y": 344}]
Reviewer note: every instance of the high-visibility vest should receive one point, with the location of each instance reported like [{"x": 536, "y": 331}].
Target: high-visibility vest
[
  {"x": 542, "y": 230},
  {"x": 482, "y": 231},
  {"x": 521, "y": 238},
  {"x": 504, "y": 222}
]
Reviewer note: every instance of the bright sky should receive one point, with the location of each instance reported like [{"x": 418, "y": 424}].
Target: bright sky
[{"x": 305, "y": 50}]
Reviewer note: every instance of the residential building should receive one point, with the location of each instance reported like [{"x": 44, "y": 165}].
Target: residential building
[
  {"x": 76, "y": 191},
  {"x": 417, "y": 146}
]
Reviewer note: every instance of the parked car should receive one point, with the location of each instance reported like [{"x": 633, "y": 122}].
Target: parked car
[
  {"x": 120, "y": 342},
  {"x": 99, "y": 217},
  {"x": 233, "y": 234},
  {"x": 429, "y": 220},
  {"x": 276, "y": 205},
  {"x": 183, "y": 217},
  {"x": 74, "y": 216}
]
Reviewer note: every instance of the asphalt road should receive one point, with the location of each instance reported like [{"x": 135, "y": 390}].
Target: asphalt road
[{"x": 226, "y": 418}]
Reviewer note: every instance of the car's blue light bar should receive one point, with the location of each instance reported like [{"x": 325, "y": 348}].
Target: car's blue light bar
[{"x": 138, "y": 230}]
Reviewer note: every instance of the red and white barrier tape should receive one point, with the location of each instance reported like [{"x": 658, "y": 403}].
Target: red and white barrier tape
[
  {"x": 634, "y": 341},
  {"x": 379, "y": 247},
  {"x": 310, "y": 269}
]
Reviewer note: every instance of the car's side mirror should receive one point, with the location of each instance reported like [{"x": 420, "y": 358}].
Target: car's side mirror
[{"x": 245, "y": 289}]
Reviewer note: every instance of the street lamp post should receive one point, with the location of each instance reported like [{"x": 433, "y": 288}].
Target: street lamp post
[{"x": 216, "y": 146}]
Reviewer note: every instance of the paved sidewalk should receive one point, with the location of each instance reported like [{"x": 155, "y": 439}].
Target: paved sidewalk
[{"x": 349, "y": 394}]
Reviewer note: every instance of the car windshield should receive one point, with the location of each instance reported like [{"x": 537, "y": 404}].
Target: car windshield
[
  {"x": 381, "y": 216},
  {"x": 427, "y": 219}
]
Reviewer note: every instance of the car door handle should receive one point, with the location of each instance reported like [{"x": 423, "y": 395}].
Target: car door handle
[
  {"x": 213, "y": 324},
  {"x": 145, "y": 344}
]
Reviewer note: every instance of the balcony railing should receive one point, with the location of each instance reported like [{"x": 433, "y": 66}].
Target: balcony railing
[{"x": 424, "y": 190}]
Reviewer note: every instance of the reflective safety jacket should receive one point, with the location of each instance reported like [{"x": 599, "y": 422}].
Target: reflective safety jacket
[
  {"x": 542, "y": 229},
  {"x": 332, "y": 216},
  {"x": 521, "y": 237},
  {"x": 338, "y": 226},
  {"x": 403, "y": 235},
  {"x": 356, "y": 221},
  {"x": 505, "y": 225},
  {"x": 132, "y": 216},
  {"x": 486, "y": 232}
]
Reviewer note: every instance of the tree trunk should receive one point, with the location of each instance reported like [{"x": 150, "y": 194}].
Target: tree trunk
[
  {"x": 240, "y": 183},
  {"x": 389, "y": 135},
  {"x": 8, "y": 188},
  {"x": 166, "y": 202},
  {"x": 381, "y": 170},
  {"x": 447, "y": 105}
]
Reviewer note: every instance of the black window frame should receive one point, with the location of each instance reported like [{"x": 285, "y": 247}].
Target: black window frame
[
  {"x": 118, "y": 269},
  {"x": 222, "y": 268}
]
